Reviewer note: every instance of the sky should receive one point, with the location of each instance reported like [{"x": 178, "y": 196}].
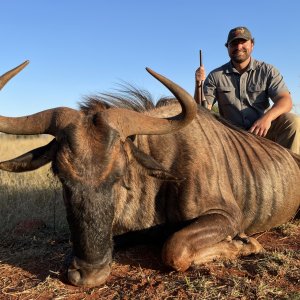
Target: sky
[{"x": 79, "y": 48}]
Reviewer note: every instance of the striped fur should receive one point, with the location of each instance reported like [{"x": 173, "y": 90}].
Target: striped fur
[{"x": 224, "y": 168}]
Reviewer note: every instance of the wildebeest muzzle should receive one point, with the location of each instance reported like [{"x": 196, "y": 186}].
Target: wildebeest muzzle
[{"x": 81, "y": 273}]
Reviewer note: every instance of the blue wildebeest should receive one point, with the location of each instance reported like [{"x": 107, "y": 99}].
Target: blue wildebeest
[{"x": 125, "y": 170}]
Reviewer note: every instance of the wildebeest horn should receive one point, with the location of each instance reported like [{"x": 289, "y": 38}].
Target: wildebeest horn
[
  {"x": 10, "y": 74},
  {"x": 49, "y": 121},
  {"x": 131, "y": 123},
  {"x": 31, "y": 160},
  {"x": 127, "y": 122}
]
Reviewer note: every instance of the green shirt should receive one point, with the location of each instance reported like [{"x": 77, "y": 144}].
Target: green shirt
[{"x": 243, "y": 98}]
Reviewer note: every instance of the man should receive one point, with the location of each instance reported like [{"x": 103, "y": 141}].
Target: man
[{"x": 243, "y": 86}]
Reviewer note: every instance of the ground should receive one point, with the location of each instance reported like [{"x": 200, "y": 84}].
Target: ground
[{"x": 32, "y": 266}]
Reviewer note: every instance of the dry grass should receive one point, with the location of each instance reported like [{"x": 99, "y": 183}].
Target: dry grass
[
  {"x": 32, "y": 263},
  {"x": 29, "y": 195}
]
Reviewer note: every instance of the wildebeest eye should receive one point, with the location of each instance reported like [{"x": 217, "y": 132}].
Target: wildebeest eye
[
  {"x": 119, "y": 175},
  {"x": 94, "y": 119}
]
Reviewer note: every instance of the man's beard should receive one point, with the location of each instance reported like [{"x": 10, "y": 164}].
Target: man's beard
[{"x": 239, "y": 56}]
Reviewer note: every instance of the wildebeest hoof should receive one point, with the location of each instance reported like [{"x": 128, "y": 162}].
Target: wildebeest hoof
[
  {"x": 242, "y": 237},
  {"x": 251, "y": 247}
]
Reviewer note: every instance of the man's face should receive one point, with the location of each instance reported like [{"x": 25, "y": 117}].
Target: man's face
[{"x": 240, "y": 50}]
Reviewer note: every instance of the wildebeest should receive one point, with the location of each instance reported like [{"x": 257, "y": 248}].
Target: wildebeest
[{"x": 124, "y": 170}]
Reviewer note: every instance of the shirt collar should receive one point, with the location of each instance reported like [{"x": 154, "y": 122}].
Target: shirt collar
[{"x": 229, "y": 68}]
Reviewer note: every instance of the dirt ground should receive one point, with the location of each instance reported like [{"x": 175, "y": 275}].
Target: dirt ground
[{"x": 32, "y": 266}]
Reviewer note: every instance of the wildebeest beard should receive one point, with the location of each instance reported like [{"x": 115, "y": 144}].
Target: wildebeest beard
[{"x": 90, "y": 216}]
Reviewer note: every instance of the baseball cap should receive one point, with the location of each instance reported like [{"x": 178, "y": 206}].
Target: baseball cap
[{"x": 240, "y": 32}]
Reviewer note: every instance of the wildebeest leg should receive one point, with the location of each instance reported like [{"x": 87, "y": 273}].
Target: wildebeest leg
[{"x": 208, "y": 238}]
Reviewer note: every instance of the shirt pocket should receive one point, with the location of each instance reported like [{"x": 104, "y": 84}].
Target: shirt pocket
[
  {"x": 257, "y": 94},
  {"x": 226, "y": 95}
]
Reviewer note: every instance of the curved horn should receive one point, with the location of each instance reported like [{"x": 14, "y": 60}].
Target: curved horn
[
  {"x": 31, "y": 160},
  {"x": 128, "y": 122},
  {"x": 49, "y": 122},
  {"x": 10, "y": 74}
]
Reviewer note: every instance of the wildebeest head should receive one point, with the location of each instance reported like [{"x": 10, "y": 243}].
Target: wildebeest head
[{"x": 89, "y": 154}]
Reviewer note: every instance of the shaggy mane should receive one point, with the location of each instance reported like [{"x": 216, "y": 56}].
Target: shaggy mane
[
  {"x": 130, "y": 97},
  {"x": 126, "y": 96}
]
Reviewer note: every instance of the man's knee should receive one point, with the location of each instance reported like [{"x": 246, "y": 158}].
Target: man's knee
[
  {"x": 285, "y": 130},
  {"x": 289, "y": 121},
  {"x": 287, "y": 125}
]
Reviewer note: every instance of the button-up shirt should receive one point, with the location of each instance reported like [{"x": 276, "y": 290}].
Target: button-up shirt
[{"x": 243, "y": 98}]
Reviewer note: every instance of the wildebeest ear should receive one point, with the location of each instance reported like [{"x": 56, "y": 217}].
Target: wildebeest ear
[
  {"x": 152, "y": 167},
  {"x": 31, "y": 160}
]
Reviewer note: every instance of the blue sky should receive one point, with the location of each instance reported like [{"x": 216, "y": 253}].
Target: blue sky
[{"x": 77, "y": 48}]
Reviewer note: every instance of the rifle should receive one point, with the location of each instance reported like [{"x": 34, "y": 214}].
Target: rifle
[{"x": 203, "y": 101}]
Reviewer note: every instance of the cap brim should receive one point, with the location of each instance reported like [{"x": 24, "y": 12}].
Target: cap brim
[{"x": 238, "y": 38}]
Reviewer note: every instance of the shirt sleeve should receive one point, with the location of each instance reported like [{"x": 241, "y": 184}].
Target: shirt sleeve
[
  {"x": 210, "y": 89},
  {"x": 276, "y": 84}
]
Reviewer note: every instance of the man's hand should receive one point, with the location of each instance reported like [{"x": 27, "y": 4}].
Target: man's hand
[
  {"x": 199, "y": 77},
  {"x": 282, "y": 104},
  {"x": 200, "y": 74},
  {"x": 261, "y": 126}
]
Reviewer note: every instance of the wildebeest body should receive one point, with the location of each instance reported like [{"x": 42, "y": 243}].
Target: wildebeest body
[
  {"x": 123, "y": 170},
  {"x": 222, "y": 169}
]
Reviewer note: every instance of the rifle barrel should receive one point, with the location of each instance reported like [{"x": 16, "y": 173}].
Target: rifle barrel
[
  {"x": 203, "y": 101},
  {"x": 201, "y": 58}
]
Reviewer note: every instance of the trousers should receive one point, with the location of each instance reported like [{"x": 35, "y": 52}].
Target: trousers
[{"x": 285, "y": 130}]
